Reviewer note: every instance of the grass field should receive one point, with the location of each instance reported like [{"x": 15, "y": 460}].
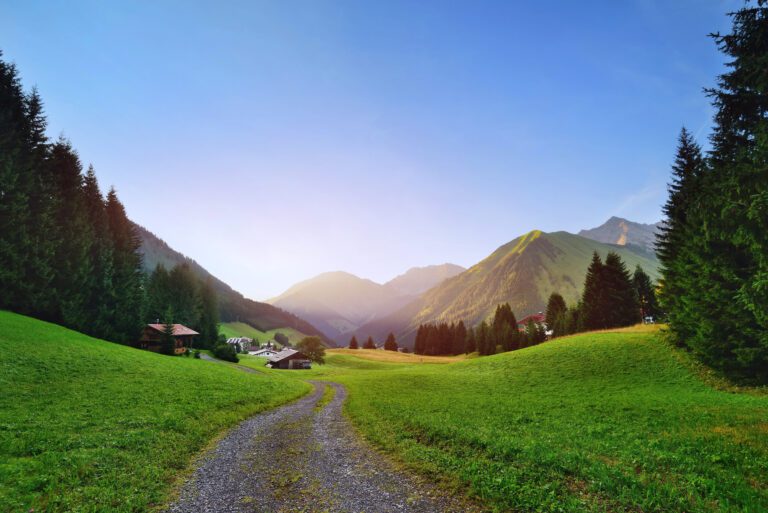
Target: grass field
[
  {"x": 87, "y": 425},
  {"x": 608, "y": 421},
  {"x": 241, "y": 329}
]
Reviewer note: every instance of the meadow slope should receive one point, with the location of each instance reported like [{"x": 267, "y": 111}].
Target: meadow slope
[
  {"x": 612, "y": 421},
  {"x": 87, "y": 425}
]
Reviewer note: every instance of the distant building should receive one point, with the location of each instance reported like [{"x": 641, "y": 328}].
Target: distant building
[
  {"x": 289, "y": 359},
  {"x": 152, "y": 337},
  {"x": 243, "y": 342},
  {"x": 264, "y": 351}
]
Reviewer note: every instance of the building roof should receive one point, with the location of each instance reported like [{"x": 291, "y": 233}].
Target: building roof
[
  {"x": 285, "y": 353},
  {"x": 178, "y": 329},
  {"x": 538, "y": 318}
]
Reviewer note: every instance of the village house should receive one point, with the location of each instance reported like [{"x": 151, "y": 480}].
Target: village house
[
  {"x": 539, "y": 319},
  {"x": 152, "y": 337},
  {"x": 289, "y": 359},
  {"x": 264, "y": 351},
  {"x": 243, "y": 343}
]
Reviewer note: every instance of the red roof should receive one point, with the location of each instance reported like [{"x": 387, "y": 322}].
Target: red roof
[
  {"x": 178, "y": 329},
  {"x": 538, "y": 318}
]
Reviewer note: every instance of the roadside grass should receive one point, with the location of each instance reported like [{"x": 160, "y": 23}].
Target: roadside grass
[
  {"x": 88, "y": 425},
  {"x": 611, "y": 421},
  {"x": 378, "y": 355},
  {"x": 328, "y": 394}
]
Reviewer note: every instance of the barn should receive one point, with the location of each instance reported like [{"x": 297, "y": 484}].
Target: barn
[
  {"x": 152, "y": 336},
  {"x": 289, "y": 359}
]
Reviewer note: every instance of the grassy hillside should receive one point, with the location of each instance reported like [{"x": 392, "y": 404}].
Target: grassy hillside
[
  {"x": 241, "y": 329},
  {"x": 523, "y": 272},
  {"x": 612, "y": 421},
  {"x": 87, "y": 425}
]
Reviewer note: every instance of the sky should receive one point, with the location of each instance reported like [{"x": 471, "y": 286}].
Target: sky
[{"x": 273, "y": 141}]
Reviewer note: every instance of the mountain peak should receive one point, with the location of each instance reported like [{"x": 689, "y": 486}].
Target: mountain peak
[{"x": 623, "y": 232}]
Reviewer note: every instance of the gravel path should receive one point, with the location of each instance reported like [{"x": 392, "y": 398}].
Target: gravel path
[{"x": 298, "y": 459}]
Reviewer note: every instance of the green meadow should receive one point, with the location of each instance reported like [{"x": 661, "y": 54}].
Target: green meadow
[
  {"x": 87, "y": 425},
  {"x": 610, "y": 421},
  {"x": 241, "y": 329}
]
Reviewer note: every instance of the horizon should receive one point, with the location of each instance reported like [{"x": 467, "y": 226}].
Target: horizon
[{"x": 396, "y": 128}]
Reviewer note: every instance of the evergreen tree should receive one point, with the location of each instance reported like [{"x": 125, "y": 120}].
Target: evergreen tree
[
  {"x": 420, "y": 344},
  {"x": 168, "y": 340},
  {"x": 353, "y": 343},
  {"x": 369, "y": 344},
  {"x": 127, "y": 278},
  {"x": 471, "y": 346},
  {"x": 556, "y": 311},
  {"x": 620, "y": 302},
  {"x": 208, "y": 326},
  {"x": 74, "y": 240},
  {"x": 390, "y": 344},
  {"x": 645, "y": 293},
  {"x": 593, "y": 298},
  {"x": 459, "y": 345}
]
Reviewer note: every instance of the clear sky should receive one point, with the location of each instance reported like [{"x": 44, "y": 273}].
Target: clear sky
[{"x": 272, "y": 141}]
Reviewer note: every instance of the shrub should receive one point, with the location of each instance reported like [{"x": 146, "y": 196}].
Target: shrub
[
  {"x": 196, "y": 354},
  {"x": 225, "y": 352}
]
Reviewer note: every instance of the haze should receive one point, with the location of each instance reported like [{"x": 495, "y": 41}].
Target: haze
[{"x": 274, "y": 141}]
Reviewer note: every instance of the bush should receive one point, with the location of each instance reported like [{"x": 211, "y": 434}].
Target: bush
[
  {"x": 225, "y": 352},
  {"x": 196, "y": 354}
]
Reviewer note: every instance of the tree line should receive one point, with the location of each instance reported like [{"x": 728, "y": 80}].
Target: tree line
[
  {"x": 714, "y": 244},
  {"x": 68, "y": 254},
  {"x": 390, "y": 344}
]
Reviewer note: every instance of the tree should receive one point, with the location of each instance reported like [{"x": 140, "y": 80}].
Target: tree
[
  {"x": 353, "y": 343},
  {"x": 471, "y": 346},
  {"x": 420, "y": 344},
  {"x": 369, "y": 344},
  {"x": 459, "y": 345},
  {"x": 593, "y": 299},
  {"x": 313, "y": 348},
  {"x": 645, "y": 293},
  {"x": 168, "y": 340},
  {"x": 620, "y": 302},
  {"x": 126, "y": 309},
  {"x": 390, "y": 344},
  {"x": 504, "y": 328},
  {"x": 282, "y": 339},
  {"x": 556, "y": 310},
  {"x": 208, "y": 326}
]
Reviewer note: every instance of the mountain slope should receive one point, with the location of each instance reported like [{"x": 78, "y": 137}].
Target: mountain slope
[
  {"x": 624, "y": 233},
  {"x": 340, "y": 302},
  {"x": 418, "y": 280},
  {"x": 233, "y": 306},
  {"x": 523, "y": 272}
]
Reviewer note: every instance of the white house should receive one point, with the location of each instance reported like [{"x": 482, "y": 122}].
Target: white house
[{"x": 264, "y": 351}]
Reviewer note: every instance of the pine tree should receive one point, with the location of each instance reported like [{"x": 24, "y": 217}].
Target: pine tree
[
  {"x": 127, "y": 309},
  {"x": 353, "y": 343},
  {"x": 208, "y": 325},
  {"x": 420, "y": 344},
  {"x": 369, "y": 344},
  {"x": 592, "y": 299},
  {"x": 556, "y": 310},
  {"x": 168, "y": 340},
  {"x": 471, "y": 346},
  {"x": 459, "y": 345},
  {"x": 645, "y": 293},
  {"x": 620, "y": 302},
  {"x": 390, "y": 344}
]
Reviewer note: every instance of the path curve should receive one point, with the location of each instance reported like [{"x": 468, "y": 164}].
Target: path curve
[{"x": 296, "y": 459}]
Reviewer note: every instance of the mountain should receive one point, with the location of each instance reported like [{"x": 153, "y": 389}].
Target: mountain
[
  {"x": 418, "y": 280},
  {"x": 523, "y": 272},
  {"x": 233, "y": 306},
  {"x": 624, "y": 233},
  {"x": 340, "y": 302}
]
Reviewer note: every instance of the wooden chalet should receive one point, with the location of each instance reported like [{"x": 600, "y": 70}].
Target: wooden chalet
[
  {"x": 289, "y": 359},
  {"x": 539, "y": 319},
  {"x": 152, "y": 336}
]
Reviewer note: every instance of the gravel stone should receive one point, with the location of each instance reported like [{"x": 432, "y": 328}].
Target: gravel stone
[{"x": 295, "y": 459}]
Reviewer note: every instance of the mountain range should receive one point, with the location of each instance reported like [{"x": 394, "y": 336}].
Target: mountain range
[
  {"x": 523, "y": 272},
  {"x": 338, "y": 302},
  {"x": 233, "y": 306}
]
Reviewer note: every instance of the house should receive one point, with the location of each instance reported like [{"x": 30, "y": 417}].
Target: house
[
  {"x": 264, "y": 351},
  {"x": 152, "y": 337},
  {"x": 289, "y": 359},
  {"x": 242, "y": 342},
  {"x": 538, "y": 318}
]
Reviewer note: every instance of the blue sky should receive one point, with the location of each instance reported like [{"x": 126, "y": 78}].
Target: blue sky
[{"x": 272, "y": 141}]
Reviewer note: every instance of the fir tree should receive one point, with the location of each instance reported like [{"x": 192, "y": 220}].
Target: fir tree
[
  {"x": 593, "y": 300},
  {"x": 556, "y": 310},
  {"x": 620, "y": 305},
  {"x": 168, "y": 340},
  {"x": 645, "y": 293},
  {"x": 390, "y": 344},
  {"x": 353, "y": 343},
  {"x": 369, "y": 344}
]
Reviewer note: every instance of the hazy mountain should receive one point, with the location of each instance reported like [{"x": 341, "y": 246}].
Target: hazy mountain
[
  {"x": 232, "y": 305},
  {"x": 523, "y": 272},
  {"x": 340, "y": 302},
  {"x": 420, "y": 279},
  {"x": 622, "y": 232}
]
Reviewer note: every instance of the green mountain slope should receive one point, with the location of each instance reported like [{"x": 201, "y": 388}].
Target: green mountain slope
[
  {"x": 88, "y": 425},
  {"x": 523, "y": 272},
  {"x": 233, "y": 306}
]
